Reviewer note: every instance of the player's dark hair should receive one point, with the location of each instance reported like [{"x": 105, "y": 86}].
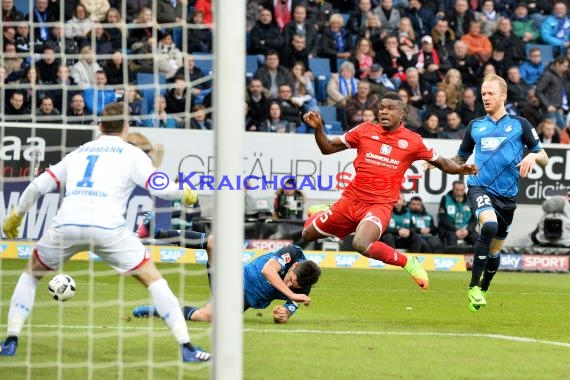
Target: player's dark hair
[
  {"x": 393, "y": 96},
  {"x": 113, "y": 120},
  {"x": 308, "y": 273}
]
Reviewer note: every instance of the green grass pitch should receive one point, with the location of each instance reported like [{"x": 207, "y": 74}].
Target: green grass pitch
[{"x": 363, "y": 324}]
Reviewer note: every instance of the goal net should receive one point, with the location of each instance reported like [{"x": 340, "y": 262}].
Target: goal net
[{"x": 57, "y": 74}]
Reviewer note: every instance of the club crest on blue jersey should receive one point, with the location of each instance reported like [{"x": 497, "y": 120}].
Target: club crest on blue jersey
[{"x": 284, "y": 259}]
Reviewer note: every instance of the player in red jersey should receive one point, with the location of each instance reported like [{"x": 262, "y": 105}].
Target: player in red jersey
[{"x": 384, "y": 152}]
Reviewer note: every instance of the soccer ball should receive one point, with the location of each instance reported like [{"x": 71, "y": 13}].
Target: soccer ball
[{"x": 61, "y": 287}]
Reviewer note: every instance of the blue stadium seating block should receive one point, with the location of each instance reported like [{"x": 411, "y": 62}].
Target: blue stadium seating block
[
  {"x": 547, "y": 52},
  {"x": 328, "y": 113},
  {"x": 205, "y": 62},
  {"x": 321, "y": 87},
  {"x": 334, "y": 128},
  {"x": 302, "y": 128},
  {"x": 320, "y": 66},
  {"x": 250, "y": 65}
]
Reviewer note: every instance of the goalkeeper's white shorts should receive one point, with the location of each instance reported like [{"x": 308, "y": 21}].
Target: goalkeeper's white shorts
[{"x": 118, "y": 247}]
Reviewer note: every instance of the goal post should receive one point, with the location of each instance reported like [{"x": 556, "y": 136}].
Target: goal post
[
  {"x": 101, "y": 310},
  {"x": 229, "y": 100}
]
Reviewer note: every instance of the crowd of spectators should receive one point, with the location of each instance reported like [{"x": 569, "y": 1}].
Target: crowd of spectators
[
  {"x": 64, "y": 60},
  {"x": 433, "y": 52}
]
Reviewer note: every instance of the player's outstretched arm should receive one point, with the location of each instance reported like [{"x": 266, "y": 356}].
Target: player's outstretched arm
[
  {"x": 531, "y": 159},
  {"x": 42, "y": 184},
  {"x": 450, "y": 166},
  {"x": 327, "y": 146},
  {"x": 271, "y": 271}
]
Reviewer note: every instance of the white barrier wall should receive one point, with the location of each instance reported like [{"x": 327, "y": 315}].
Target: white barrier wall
[
  {"x": 270, "y": 155},
  {"x": 288, "y": 154}
]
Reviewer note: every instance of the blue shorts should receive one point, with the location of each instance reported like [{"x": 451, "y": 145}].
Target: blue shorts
[{"x": 480, "y": 200}]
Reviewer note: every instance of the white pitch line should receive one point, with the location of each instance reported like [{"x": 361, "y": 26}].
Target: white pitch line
[{"x": 511, "y": 338}]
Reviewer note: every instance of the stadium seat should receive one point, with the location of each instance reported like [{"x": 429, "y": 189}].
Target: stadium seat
[
  {"x": 148, "y": 92},
  {"x": 148, "y": 78},
  {"x": 23, "y": 6},
  {"x": 547, "y": 52},
  {"x": 250, "y": 65},
  {"x": 177, "y": 37},
  {"x": 345, "y": 18},
  {"x": 339, "y": 62},
  {"x": 328, "y": 114},
  {"x": 321, "y": 82},
  {"x": 334, "y": 128},
  {"x": 302, "y": 128},
  {"x": 320, "y": 66},
  {"x": 205, "y": 62}
]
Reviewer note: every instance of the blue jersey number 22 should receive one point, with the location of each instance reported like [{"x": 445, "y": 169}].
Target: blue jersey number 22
[{"x": 86, "y": 181}]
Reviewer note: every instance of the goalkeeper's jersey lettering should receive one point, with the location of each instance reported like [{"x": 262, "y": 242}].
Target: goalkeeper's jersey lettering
[
  {"x": 100, "y": 149},
  {"x": 258, "y": 292},
  {"x": 499, "y": 147},
  {"x": 99, "y": 178}
]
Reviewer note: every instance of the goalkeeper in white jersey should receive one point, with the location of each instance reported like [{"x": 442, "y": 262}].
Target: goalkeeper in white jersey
[{"x": 98, "y": 178}]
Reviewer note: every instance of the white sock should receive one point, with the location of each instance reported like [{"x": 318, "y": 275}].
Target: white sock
[
  {"x": 21, "y": 303},
  {"x": 169, "y": 309}
]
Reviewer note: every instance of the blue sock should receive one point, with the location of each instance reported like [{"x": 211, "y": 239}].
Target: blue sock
[{"x": 188, "y": 311}]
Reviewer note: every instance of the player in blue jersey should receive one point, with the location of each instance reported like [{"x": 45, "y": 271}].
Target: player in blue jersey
[
  {"x": 282, "y": 274},
  {"x": 498, "y": 140}
]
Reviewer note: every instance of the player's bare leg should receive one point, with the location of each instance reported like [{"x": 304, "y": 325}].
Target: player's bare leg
[
  {"x": 310, "y": 233},
  {"x": 168, "y": 307},
  {"x": 203, "y": 314},
  {"x": 366, "y": 241},
  {"x": 22, "y": 303}
]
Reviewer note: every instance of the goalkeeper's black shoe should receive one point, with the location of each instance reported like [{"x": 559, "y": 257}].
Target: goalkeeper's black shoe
[
  {"x": 9, "y": 346},
  {"x": 191, "y": 354}
]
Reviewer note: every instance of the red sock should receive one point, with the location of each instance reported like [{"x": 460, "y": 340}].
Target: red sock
[{"x": 385, "y": 253}]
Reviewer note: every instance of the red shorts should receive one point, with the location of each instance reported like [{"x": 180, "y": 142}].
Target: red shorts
[{"x": 345, "y": 215}]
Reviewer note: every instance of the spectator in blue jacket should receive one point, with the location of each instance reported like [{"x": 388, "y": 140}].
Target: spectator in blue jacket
[
  {"x": 555, "y": 29},
  {"x": 532, "y": 69},
  {"x": 98, "y": 96}
]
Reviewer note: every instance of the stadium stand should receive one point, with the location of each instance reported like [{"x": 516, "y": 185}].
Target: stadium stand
[{"x": 28, "y": 52}]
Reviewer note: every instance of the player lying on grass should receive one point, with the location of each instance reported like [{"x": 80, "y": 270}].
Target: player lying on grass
[{"x": 284, "y": 274}]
